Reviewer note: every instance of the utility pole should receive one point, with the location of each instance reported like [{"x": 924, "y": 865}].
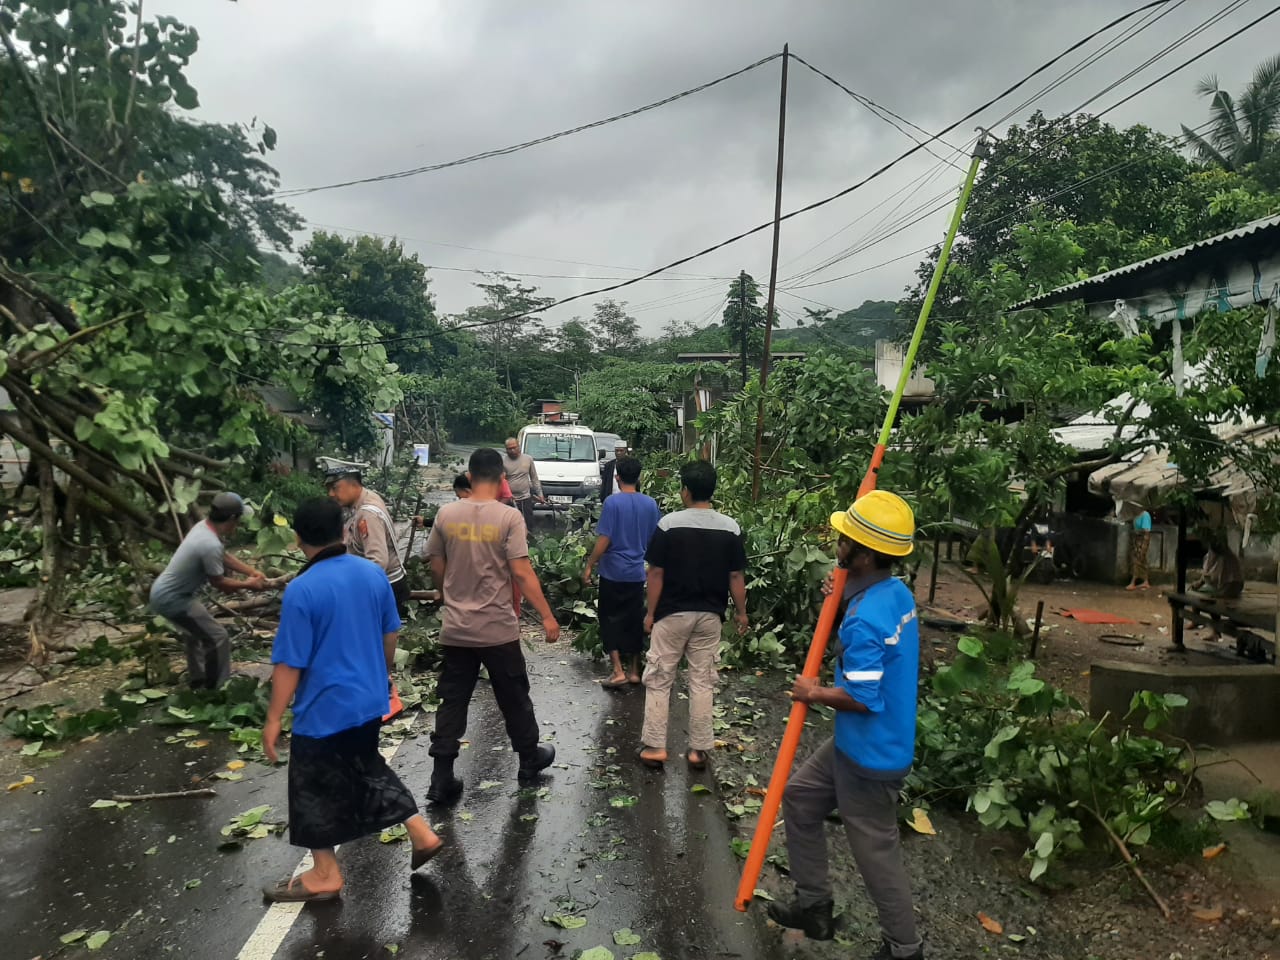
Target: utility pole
[
  {"x": 773, "y": 279},
  {"x": 742, "y": 322}
]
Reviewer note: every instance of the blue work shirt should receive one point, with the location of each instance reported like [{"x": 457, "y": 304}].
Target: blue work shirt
[
  {"x": 628, "y": 520},
  {"x": 332, "y": 621},
  {"x": 1142, "y": 522},
  {"x": 878, "y": 666}
]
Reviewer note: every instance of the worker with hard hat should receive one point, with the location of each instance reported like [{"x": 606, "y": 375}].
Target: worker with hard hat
[{"x": 860, "y": 771}]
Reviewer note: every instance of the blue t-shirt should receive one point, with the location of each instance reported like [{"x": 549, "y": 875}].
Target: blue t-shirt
[
  {"x": 878, "y": 666},
  {"x": 628, "y": 520},
  {"x": 332, "y": 621},
  {"x": 1142, "y": 522}
]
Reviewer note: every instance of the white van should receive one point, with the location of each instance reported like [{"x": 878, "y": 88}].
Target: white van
[{"x": 565, "y": 457}]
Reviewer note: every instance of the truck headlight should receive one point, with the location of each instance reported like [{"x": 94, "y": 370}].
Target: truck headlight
[{"x": 591, "y": 482}]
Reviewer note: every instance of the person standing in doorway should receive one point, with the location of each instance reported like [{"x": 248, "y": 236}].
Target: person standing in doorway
[
  {"x": 626, "y": 526},
  {"x": 860, "y": 771},
  {"x": 203, "y": 558},
  {"x": 522, "y": 475},
  {"x": 369, "y": 532},
  {"x": 1139, "y": 547},
  {"x": 697, "y": 559},
  {"x": 609, "y": 484},
  {"x": 477, "y": 549},
  {"x": 332, "y": 654}
]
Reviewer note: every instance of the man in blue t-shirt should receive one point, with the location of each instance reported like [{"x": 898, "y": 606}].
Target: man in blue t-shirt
[
  {"x": 333, "y": 653},
  {"x": 627, "y": 522},
  {"x": 860, "y": 770}
]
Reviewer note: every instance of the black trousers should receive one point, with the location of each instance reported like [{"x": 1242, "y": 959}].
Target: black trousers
[
  {"x": 401, "y": 590},
  {"x": 510, "y": 680}
]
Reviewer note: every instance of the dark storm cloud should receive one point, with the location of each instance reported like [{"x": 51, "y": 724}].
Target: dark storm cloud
[{"x": 363, "y": 89}]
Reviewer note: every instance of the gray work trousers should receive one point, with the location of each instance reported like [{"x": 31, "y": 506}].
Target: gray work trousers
[
  {"x": 208, "y": 647},
  {"x": 869, "y": 809}
]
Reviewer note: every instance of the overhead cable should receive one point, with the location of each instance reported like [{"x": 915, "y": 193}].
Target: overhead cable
[
  {"x": 769, "y": 224},
  {"x": 516, "y": 147}
]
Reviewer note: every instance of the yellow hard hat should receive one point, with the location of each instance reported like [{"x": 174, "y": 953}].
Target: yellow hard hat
[{"x": 879, "y": 520}]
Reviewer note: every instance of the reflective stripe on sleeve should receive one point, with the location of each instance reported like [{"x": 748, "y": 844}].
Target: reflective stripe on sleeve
[{"x": 860, "y": 676}]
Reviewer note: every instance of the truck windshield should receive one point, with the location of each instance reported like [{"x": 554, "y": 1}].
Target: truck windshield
[{"x": 565, "y": 447}]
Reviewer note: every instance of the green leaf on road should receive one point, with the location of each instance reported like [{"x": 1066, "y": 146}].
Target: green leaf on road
[
  {"x": 74, "y": 936},
  {"x": 191, "y": 884},
  {"x": 646, "y": 955},
  {"x": 625, "y": 937},
  {"x": 490, "y": 784},
  {"x": 31, "y": 749},
  {"x": 97, "y": 941},
  {"x": 103, "y": 804},
  {"x": 466, "y": 816},
  {"x": 699, "y": 788},
  {"x": 621, "y": 802},
  {"x": 596, "y": 953},
  {"x": 150, "y": 851},
  {"x": 565, "y": 921}
]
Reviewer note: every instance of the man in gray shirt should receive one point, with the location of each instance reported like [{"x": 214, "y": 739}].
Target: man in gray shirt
[
  {"x": 522, "y": 477},
  {"x": 201, "y": 558}
]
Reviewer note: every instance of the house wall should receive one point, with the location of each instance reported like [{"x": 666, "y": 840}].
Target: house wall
[{"x": 1101, "y": 546}]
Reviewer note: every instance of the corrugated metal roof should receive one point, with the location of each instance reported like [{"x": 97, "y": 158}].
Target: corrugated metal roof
[{"x": 1081, "y": 288}]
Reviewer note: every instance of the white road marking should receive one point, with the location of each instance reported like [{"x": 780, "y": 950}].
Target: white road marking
[{"x": 275, "y": 925}]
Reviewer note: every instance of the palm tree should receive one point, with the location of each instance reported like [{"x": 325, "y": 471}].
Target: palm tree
[{"x": 1239, "y": 133}]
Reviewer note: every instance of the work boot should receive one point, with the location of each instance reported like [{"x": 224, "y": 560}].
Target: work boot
[
  {"x": 817, "y": 921},
  {"x": 445, "y": 788},
  {"x": 534, "y": 762},
  {"x": 886, "y": 953}
]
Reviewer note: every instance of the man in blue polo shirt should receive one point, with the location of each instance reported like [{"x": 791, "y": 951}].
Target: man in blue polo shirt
[
  {"x": 332, "y": 654},
  {"x": 860, "y": 771}
]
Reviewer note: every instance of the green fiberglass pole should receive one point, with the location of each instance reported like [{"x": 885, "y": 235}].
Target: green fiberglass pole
[{"x": 909, "y": 361}]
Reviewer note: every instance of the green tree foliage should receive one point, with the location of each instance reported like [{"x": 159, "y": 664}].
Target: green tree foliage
[
  {"x": 616, "y": 333},
  {"x": 1128, "y": 194},
  {"x": 859, "y": 328},
  {"x": 1244, "y": 132},
  {"x": 633, "y": 400},
  {"x": 96, "y": 100},
  {"x": 373, "y": 279},
  {"x": 509, "y": 313},
  {"x": 744, "y": 320},
  {"x": 134, "y": 346}
]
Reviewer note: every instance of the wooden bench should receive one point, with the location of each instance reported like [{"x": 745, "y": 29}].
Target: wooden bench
[{"x": 1245, "y": 620}]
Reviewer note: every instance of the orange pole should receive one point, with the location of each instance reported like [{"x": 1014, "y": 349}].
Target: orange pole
[
  {"x": 787, "y": 751},
  {"x": 831, "y": 607}
]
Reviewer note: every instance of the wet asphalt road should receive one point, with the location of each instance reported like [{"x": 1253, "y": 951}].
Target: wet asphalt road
[{"x": 663, "y": 867}]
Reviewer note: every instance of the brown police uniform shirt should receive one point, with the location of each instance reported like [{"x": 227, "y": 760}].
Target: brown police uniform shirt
[
  {"x": 369, "y": 533},
  {"x": 478, "y": 539}
]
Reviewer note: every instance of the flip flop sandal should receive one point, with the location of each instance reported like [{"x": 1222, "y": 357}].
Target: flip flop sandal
[
  {"x": 653, "y": 763},
  {"x": 700, "y": 763},
  {"x": 614, "y": 684},
  {"x": 293, "y": 891},
  {"x": 420, "y": 858}
]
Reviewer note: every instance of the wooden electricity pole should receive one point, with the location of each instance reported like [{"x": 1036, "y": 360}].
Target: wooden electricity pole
[{"x": 773, "y": 279}]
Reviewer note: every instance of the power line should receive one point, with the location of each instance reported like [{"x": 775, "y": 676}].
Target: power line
[
  {"x": 1022, "y": 160},
  {"x": 884, "y": 113},
  {"x": 769, "y": 224},
  {"x": 502, "y": 253},
  {"x": 516, "y": 147}
]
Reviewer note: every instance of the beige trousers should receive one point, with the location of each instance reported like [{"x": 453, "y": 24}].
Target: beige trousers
[{"x": 697, "y": 637}]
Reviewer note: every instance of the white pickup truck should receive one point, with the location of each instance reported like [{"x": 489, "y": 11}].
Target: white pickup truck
[{"x": 565, "y": 457}]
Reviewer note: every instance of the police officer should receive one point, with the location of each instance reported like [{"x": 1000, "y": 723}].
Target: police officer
[
  {"x": 369, "y": 531},
  {"x": 859, "y": 772}
]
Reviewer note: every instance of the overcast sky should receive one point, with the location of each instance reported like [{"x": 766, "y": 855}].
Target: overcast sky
[{"x": 361, "y": 89}]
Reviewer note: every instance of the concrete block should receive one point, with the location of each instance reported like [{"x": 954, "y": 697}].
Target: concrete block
[{"x": 1227, "y": 704}]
